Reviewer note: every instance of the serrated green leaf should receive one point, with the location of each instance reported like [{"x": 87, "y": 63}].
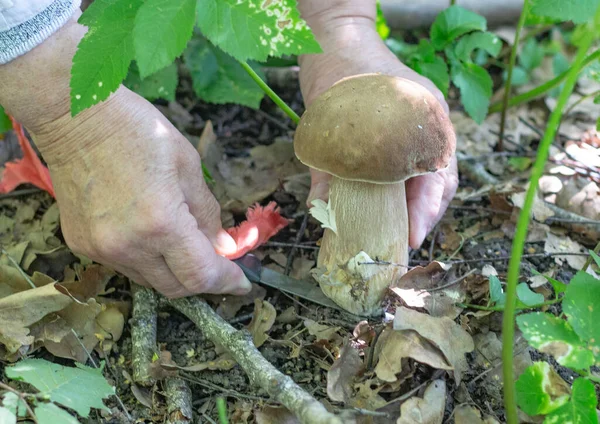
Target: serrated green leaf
[
  {"x": 7, "y": 416},
  {"x": 581, "y": 305},
  {"x": 262, "y": 28},
  {"x": 218, "y": 78},
  {"x": 161, "y": 85},
  {"x": 531, "y": 55},
  {"x": 527, "y": 296},
  {"x": 453, "y": 22},
  {"x": 94, "y": 11},
  {"x": 497, "y": 296},
  {"x": 380, "y": 23},
  {"x": 49, "y": 413},
  {"x": 162, "y": 30},
  {"x": 5, "y": 124},
  {"x": 475, "y": 86},
  {"x": 436, "y": 71},
  {"x": 78, "y": 388},
  {"x": 556, "y": 337},
  {"x": 103, "y": 56},
  {"x": 595, "y": 257},
  {"x": 14, "y": 404},
  {"x": 577, "y": 11},
  {"x": 581, "y": 408},
  {"x": 540, "y": 389},
  {"x": 477, "y": 40}
]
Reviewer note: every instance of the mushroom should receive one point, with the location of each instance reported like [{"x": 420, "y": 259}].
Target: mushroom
[{"x": 371, "y": 132}]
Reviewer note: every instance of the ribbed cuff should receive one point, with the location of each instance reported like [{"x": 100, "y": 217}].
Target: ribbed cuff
[{"x": 22, "y": 38}]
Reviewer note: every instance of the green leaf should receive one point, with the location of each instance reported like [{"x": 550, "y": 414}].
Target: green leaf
[
  {"x": 527, "y": 296},
  {"x": 475, "y": 86},
  {"x": 595, "y": 257},
  {"x": 94, "y": 11},
  {"x": 380, "y": 23},
  {"x": 577, "y": 11},
  {"x": 556, "y": 337},
  {"x": 78, "y": 388},
  {"x": 436, "y": 70},
  {"x": 218, "y": 78},
  {"x": 5, "y": 124},
  {"x": 7, "y": 416},
  {"x": 477, "y": 40},
  {"x": 162, "y": 30},
  {"x": 520, "y": 163},
  {"x": 161, "y": 85},
  {"x": 14, "y": 404},
  {"x": 558, "y": 286},
  {"x": 540, "y": 390},
  {"x": 560, "y": 64},
  {"x": 581, "y": 305},
  {"x": 519, "y": 76},
  {"x": 103, "y": 56},
  {"x": 49, "y": 413},
  {"x": 453, "y": 22},
  {"x": 581, "y": 409},
  {"x": 531, "y": 55},
  {"x": 597, "y": 120},
  {"x": 497, "y": 296},
  {"x": 261, "y": 28}
]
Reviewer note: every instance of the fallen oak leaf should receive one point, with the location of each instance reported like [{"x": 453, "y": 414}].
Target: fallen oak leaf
[
  {"x": 261, "y": 224},
  {"x": 340, "y": 377},
  {"x": 28, "y": 170}
]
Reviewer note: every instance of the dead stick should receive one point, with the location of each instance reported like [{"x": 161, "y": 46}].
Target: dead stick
[
  {"x": 260, "y": 371},
  {"x": 143, "y": 333},
  {"x": 179, "y": 401}
]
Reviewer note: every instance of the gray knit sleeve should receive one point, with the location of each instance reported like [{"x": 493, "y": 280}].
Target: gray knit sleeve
[{"x": 19, "y": 39}]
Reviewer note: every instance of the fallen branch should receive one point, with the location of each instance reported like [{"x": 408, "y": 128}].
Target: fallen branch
[
  {"x": 179, "y": 401},
  {"x": 143, "y": 333},
  {"x": 260, "y": 371}
]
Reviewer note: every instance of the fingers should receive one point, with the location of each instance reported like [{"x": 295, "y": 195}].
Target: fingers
[
  {"x": 428, "y": 197},
  {"x": 159, "y": 276},
  {"x": 319, "y": 186},
  {"x": 194, "y": 263}
]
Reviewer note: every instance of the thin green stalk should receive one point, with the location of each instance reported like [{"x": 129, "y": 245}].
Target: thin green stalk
[
  {"x": 502, "y": 308},
  {"x": 545, "y": 87},
  {"x": 511, "y": 65},
  {"x": 269, "y": 92},
  {"x": 589, "y": 260},
  {"x": 222, "y": 410},
  {"x": 508, "y": 323}
]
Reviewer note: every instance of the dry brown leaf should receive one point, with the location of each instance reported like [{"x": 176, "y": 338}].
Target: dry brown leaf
[
  {"x": 301, "y": 267},
  {"x": 262, "y": 321},
  {"x": 564, "y": 244},
  {"x": 229, "y": 305},
  {"x": 540, "y": 211},
  {"x": 92, "y": 282},
  {"x": 366, "y": 397},
  {"x": 465, "y": 414},
  {"x": 321, "y": 331},
  {"x": 142, "y": 395},
  {"x": 275, "y": 415},
  {"x": 21, "y": 310},
  {"x": 397, "y": 346},
  {"x": 426, "y": 410},
  {"x": 158, "y": 368},
  {"x": 443, "y": 332},
  {"x": 581, "y": 197},
  {"x": 340, "y": 377},
  {"x": 419, "y": 288}
]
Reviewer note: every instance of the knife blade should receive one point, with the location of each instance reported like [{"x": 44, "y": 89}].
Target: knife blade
[{"x": 308, "y": 290}]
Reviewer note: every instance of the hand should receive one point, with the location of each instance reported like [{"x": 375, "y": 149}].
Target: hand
[
  {"x": 132, "y": 196},
  {"x": 351, "y": 45}
]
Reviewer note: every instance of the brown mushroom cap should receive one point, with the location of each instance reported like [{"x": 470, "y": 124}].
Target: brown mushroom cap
[{"x": 375, "y": 128}]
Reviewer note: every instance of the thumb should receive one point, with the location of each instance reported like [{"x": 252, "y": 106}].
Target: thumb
[{"x": 319, "y": 186}]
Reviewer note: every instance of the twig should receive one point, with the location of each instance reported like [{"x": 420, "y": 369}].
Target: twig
[
  {"x": 501, "y": 308},
  {"x": 143, "y": 333},
  {"x": 292, "y": 245},
  {"x": 23, "y": 398},
  {"x": 16, "y": 265},
  {"x": 290, "y": 258},
  {"x": 179, "y": 401},
  {"x": 451, "y": 283},
  {"x": 260, "y": 371}
]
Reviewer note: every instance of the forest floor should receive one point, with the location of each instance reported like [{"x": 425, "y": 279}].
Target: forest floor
[{"x": 456, "y": 357}]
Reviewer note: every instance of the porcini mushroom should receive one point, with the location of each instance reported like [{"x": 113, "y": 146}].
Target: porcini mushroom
[{"x": 371, "y": 132}]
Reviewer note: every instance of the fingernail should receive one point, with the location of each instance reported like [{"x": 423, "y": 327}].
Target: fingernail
[
  {"x": 418, "y": 237},
  {"x": 224, "y": 244},
  {"x": 318, "y": 191}
]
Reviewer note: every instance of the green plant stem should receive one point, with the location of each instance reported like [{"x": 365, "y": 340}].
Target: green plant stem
[
  {"x": 508, "y": 83},
  {"x": 222, "y": 410},
  {"x": 501, "y": 308},
  {"x": 269, "y": 92},
  {"x": 589, "y": 260},
  {"x": 545, "y": 87},
  {"x": 508, "y": 323}
]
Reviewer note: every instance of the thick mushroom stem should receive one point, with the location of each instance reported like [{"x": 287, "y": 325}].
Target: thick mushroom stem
[{"x": 372, "y": 223}]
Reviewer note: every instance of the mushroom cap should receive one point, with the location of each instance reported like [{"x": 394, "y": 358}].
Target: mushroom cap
[{"x": 375, "y": 128}]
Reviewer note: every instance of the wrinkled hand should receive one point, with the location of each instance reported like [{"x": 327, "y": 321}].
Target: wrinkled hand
[
  {"x": 132, "y": 196},
  {"x": 352, "y": 46}
]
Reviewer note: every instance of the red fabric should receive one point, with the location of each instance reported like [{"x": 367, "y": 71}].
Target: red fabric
[
  {"x": 28, "y": 170},
  {"x": 261, "y": 224}
]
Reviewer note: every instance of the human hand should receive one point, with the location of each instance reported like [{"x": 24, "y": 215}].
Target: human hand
[{"x": 351, "y": 45}]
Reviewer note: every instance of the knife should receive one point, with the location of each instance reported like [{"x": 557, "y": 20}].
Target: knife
[{"x": 308, "y": 290}]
